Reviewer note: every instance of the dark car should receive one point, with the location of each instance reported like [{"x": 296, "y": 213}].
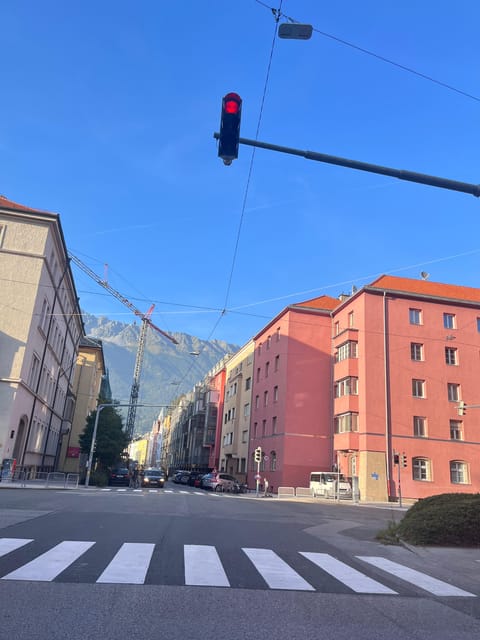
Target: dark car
[
  {"x": 153, "y": 478},
  {"x": 119, "y": 477},
  {"x": 181, "y": 477},
  {"x": 194, "y": 478}
]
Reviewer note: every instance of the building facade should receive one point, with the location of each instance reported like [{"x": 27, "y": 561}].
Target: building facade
[
  {"x": 291, "y": 417},
  {"x": 237, "y": 406},
  {"x": 405, "y": 355},
  {"x": 40, "y": 328},
  {"x": 90, "y": 373}
]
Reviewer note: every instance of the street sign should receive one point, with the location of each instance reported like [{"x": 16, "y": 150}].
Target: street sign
[{"x": 258, "y": 476}]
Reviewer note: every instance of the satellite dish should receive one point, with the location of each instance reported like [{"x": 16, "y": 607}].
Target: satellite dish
[{"x": 425, "y": 275}]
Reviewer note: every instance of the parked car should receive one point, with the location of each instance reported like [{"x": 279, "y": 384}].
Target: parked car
[
  {"x": 220, "y": 482},
  {"x": 119, "y": 477},
  {"x": 194, "y": 478},
  {"x": 181, "y": 477},
  {"x": 153, "y": 478}
]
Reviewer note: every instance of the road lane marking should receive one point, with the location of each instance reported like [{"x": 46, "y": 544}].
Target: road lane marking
[
  {"x": 10, "y": 544},
  {"x": 129, "y": 565},
  {"x": 422, "y": 580},
  {"x": 275, "y": 571},
  {"x": 350, "y": 577},
  {"x": 51, "y": 563},
  {"x": 203, "y": 567}
]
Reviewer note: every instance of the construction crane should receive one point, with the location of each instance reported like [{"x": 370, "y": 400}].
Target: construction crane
[{"x": 146, "y": 322}]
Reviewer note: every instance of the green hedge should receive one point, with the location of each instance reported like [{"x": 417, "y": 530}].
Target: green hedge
[{"x": 450, "y": 519}]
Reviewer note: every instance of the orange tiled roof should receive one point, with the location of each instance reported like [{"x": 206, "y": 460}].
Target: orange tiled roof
[
  {"x": 322, "y": 302},
  {"x": 5, "y": 203},
  {"x": 424, "y": 287}
]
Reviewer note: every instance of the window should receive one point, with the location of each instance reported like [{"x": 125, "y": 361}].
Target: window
[
  {"x": 274, "y": 424},
  {"x": 227, "y": 439},
  {"x": 419, "y": 426},
  {"x": 259, "y": 349},
  {"x": 273, "y": 460},
  {"x": 2, "y": 233},
  {"x": 450, "y": 355},
  {"x": 275, "y": 394},
  {"x": 255, "y": 428},
  {"x": 248, "y": 384},
  {"x": 265, "y": 398},
  {"x": 346, "y": 350},
  {"x": 418, "y": 388},
  {"x": 257, "y": 402},
  {"x": 415, "y": 316},
  {"x": 421, "y": 469},
  {"x": 246, "y": 410},
  {"x": 267, "y": 367},
  {"x": 346, "y": 422},
  {"x": 277, "y": 362},
  {"x": 269, "y": 341},
  {"x": 264, "y": 427},
  {"x": 458, "y": 472},
  {"x": 34, "y": 369},
  {"x": 456, "y": 430},
  {"x": 258, "y": 374},
  {"x": 449, "y": 321},
  {"x": 245, "y": 436},
  {"x": 278, "y": 334},
  {"x": 351, "y": 319},
  {"x": 346, "y": 387},
  {"x": 336, "y": 328},
  {"x": 242, "y": 467},
  {"x": 453, "y": 392},
  {"x": 416, "y": 351}
]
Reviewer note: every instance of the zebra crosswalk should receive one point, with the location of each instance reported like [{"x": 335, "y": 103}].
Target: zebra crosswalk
[
  {"x": 202, "y": 565},
  {"x": 128, "y": 490}
]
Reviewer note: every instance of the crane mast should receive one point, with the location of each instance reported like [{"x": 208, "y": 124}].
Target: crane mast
[{"x": 146, "y": 322}]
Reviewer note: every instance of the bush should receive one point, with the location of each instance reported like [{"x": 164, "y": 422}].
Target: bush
[
  {"x": 99, "y": 479},
  {"x": 449, "y": 519}
]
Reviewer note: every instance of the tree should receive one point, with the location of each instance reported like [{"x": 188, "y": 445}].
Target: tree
[{"x": 111, "y": 439}]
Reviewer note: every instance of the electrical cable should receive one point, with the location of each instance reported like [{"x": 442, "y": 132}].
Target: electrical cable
[{"x": 375, "y": 55}]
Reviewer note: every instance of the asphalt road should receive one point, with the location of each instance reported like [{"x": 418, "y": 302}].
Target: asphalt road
[{"x": 182, "y": 563}]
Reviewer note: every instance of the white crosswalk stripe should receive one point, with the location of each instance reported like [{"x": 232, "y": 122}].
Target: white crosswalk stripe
[
  {"x": 51, "y": 563},
  {"x": 203, "y": 566},
  {"x": 350, "y": 577},
  {"x": 275, "y": 571},
  {"x": 130, "y": 565},
  {"x": 419, "y": 579}
]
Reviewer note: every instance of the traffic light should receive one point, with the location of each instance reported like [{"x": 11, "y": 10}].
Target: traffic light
[
  {"x": 396, "y": 459},
  {"x": 462, "y": 408},
  {"x": 230, "y": 128},
  {"x": 258, "y": 454},
  {"x": 404, "y": 460}
]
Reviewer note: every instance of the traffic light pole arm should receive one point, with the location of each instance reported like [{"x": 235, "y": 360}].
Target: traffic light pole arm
[{"x": 401, "y": 174}]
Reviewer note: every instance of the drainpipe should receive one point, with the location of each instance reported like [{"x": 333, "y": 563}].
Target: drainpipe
[{"x": 387, "y": 395}]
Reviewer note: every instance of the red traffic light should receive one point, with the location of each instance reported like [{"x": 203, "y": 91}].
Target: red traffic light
[{"x": 231, "y": 103}]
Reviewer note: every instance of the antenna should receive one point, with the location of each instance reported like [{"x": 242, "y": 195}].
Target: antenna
[{"x": 425, "y": 275}]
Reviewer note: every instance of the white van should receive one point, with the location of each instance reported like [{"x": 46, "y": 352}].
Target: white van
[{"x": 328, "y": 484}]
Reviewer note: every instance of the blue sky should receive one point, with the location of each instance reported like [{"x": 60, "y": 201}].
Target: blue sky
[{"x": 107, "y": 117}]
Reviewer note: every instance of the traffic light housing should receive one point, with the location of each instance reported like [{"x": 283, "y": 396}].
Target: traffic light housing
[
  {"x": 404, "y": 460},
  {"x": 396, "y": 458},
  {"x": 462, "y": 408},
  {"x": 230, "y": 128},
  {"x": 258, "y": 454}
]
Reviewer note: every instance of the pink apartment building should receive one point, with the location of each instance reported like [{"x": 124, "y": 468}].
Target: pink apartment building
[
  {"x": 356, "y": 381},
  {"x": 291, "y": 416}
]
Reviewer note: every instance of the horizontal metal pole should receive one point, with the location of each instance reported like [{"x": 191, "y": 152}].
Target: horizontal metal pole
[{"x": 401, "y": 174}]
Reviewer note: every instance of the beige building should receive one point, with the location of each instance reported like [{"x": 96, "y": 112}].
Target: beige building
[
  {"x": 89, "y": 374},
  {"x": 40, "y": 327},
  {"x": 236, "y": 413}
]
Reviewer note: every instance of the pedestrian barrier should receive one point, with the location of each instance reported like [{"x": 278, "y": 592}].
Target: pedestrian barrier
[
  {"x": 303, "y": 492},
  {"x": 285, "y": 492}
]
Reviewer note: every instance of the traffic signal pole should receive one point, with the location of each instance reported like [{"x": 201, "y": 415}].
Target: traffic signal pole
[{"x": 401, "y": 174}]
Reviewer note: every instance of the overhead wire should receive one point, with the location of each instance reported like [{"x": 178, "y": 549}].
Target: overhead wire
[{"x": 378, "y": 56}]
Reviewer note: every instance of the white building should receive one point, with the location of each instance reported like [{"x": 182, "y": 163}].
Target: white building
[{"x": 40, "y": 328}]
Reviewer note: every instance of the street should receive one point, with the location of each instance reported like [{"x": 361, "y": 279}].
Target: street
[{"x": 181, "y": 562}]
